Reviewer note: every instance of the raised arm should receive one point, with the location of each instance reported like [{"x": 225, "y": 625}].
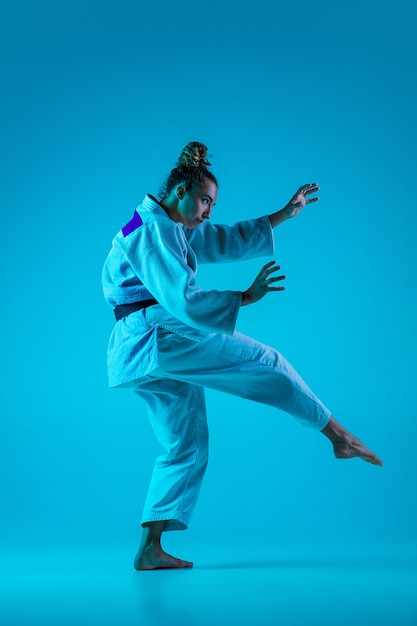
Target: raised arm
[
  {"x": 295, "y": 205},
  {"x": 219, "y": 243}
]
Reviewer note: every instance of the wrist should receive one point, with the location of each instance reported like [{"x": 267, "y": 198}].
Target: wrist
[
  {"x": 245, "y": 298},
  {"x": 281, "y": 216},
  {"x": 287, "y": 212}
]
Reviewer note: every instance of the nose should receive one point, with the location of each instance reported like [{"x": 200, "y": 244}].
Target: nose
[{"x": 207, "y": 214}]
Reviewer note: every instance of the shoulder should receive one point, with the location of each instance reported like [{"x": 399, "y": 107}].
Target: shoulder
[{"x": 148, "y": 228}]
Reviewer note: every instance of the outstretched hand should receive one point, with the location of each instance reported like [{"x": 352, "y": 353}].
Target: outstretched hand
[
  {"x": 262, "y": 284},
  {"x": 299, "y": 199}
]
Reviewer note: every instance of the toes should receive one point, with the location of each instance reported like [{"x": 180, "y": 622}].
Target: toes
[
  {"x": 377, "y": 460},
  {"x": 182, "y": 563},
  {"x": 372, "y": 459},
  {"x": 177, "y": 564}
]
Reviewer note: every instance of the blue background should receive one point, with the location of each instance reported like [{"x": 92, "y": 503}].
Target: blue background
[{"x": 99, "y": 99}]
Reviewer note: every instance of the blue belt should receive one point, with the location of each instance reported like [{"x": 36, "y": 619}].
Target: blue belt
[{"x": 121, "y": 310}]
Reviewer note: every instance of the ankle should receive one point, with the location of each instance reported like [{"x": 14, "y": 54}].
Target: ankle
[{"x": 334, "y": 431}]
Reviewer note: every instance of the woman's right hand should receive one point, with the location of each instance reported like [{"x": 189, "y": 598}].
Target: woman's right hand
[{"x": 262, "y": 284}]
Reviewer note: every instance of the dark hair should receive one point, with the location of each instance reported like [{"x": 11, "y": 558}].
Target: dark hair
[{"x": 191, "y": 169}]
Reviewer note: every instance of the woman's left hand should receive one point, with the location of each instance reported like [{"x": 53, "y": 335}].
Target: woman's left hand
[{"x": 299, "y": 199}]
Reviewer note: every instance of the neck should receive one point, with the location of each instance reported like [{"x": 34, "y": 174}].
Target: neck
[{"x": 170, "y": 206}]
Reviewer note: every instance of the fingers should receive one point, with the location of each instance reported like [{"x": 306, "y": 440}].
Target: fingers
[
  {"x": 308, "y": 187},
  {"x": 274, "y": 279},
  {"x": 268, "y": 279},
  {"x": 305, "y": 190},
  {"x": 265, "y": 267},
  {"x": 265, "y": 278},
  {"x": 269, "y": 268}
]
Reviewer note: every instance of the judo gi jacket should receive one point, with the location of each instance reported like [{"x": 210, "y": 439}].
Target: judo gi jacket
[{"x": 153, "y": 256}]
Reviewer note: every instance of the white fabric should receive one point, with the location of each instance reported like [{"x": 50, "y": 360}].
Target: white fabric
[
  {"x": 175, "y": 397},
  {"x": 159, "y": 259},
  {"x": 168, "y": 352}
]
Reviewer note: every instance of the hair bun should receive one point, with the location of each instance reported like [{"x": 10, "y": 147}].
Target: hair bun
[{"x": 193, "y": 155}]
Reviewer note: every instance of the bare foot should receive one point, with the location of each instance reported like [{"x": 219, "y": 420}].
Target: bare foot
[
  {"x": 153, "y": 557},
  {"x": 353, "y": 447},
  {"x": 346, "y": 445}
]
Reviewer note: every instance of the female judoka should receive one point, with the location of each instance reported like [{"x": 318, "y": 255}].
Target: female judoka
[{"x": 172, "y": 338}]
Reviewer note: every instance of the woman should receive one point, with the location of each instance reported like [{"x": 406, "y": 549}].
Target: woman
[{"x": 172, "y": 338}]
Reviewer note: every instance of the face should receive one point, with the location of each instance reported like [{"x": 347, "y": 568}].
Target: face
[{"x": 195, "y": 206}]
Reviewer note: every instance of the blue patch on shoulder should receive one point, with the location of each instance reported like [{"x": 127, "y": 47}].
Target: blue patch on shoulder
[{"x": 134, "y": 223}]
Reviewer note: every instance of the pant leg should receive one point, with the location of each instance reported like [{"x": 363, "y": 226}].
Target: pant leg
[
  {"x": 241, "y": 366},
  {"x": 177, "y": 413}
]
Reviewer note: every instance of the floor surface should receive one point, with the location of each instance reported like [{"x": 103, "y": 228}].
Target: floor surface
[{"x": 290, "y": 587}]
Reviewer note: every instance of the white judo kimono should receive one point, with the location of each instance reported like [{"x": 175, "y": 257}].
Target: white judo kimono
[{"x": 167, "y": 353}]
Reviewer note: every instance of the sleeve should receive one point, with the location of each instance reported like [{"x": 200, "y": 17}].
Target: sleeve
[
  {"x": 244, "y": 240},
  {"x": 157, "y": 253}
]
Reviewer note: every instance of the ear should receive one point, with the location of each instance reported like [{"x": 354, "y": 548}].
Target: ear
[{"x": 180, "y": 192}]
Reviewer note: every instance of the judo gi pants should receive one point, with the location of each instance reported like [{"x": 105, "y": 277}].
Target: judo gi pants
[{"x": 174, "y": 393}]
